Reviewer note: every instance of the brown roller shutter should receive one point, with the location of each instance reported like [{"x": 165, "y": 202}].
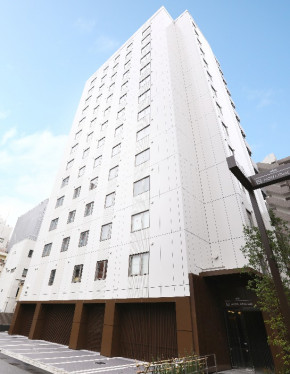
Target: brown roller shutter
[
  {"x": 26, "y": 317},
  {"x": 93, "y": 326}
]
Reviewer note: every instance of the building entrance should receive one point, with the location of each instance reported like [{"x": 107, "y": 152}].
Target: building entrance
[{"x": 247, "y": 339}]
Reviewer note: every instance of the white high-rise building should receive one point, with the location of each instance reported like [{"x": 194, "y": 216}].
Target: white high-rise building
[{"x": 139, "y": 249}]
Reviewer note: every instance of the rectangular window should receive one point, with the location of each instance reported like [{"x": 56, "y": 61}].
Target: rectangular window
[
  {"x": 82, "y": 120},
  {"x": 106, "y": 231},
  {"x": 59, "y": 201},
  {"x": 145, "y": 49},
  {"x": 113, "y": 77},
  {"x": 145, "y": 68},
  {"x": 107, "y": 111},
  {"x": 93, "y": 183},
  {"x": 30, "y": 253},
  {"x": 250, "y": 218},
  {"x": 144, "y": 112},
  {"x": 103, "y": 78},
  {"x": 78, "y": 134},
  {"x": 99, "y": 98},
  {"x": 214, "y": 91},
  {"x": 127, "y": 65},
  {"x": 140, "y": 221},
  {"x": 51, "y": 277},
  {"x": 145, "y": 39},
  {"x": 141, "y": 186},
  {"x": 77, "y": 273},
  {"x": 93, "y": 80},
  {"x": 144, "y": 96},
  {"x": 88, "y": 98},
  {"x": 126, "y": 74},
  {"x": 111, "y": 87},
  {"x": 117, "y": 57},
  {"x": 77, "y": 192},
  {"x": 46, "y": 250},
  {"x": 142, "y": 133},
  {"x": 219, "y": 108},
  {"x": 110, "y": 200},
  {"x": 89, "y": 209},
  {"x": 90, "y": 136},
  {"x": 199, "y": 42},
  {"x": 144, "y": 81},
  {"x": 209, "y": 76},
  {"x": 96, "y": 109},
  {"x": 145, "y": 58},
  {"x": 101, "y": 142},
  {"x": 91, "y": 90},
  {"x": 101, "y": 86},
  {"x": 119, "y": 130},
  {"x": 83, "y": 241},
  {"x": 81, "y": 171},
  {"x": 231, "y": 150},
  {"x": 124, "y": 86},
  {"x": 69, "y": 164},
  {"x": 202, "y": 52},
  {"x": 64, "y": 182},
  {"x": 128, "y": 55},
  {"x": 71, "y": 216},
  {"x": 139, "y": 264},
  {"x": 97, "y": 161},
  {"x": 129, "y": 45},
  {"x": 142, "y": 157},
  {"x": 146, "y": 30},
  {"x": 205, "y": 63},
  {"x": 109, "y": 98},
  {"x": 113, "y": 173},
  {"x": 53, "y": 224},
  {"x": 105, "y": 69},
  {"x": 24, "y": 273},
  {"x": 73, "y": 149},
  {"x": 101, "y": 269},
  {"x": 225, "y": 128},
  {"x": 123, "y": 99},
  {"x": 65, "y": 244},
  {"x": 121, "y": 113},
  {"x": 116, "y": 149},
  {"x": 83, "y": 111},
  {"x": 115, "y": 67},
  {"x": 86, "y": 152},
  {"x": 104, "y": 125}
]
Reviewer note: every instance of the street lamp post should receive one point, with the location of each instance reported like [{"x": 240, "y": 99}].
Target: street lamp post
[{"x": 252, "y": 183}]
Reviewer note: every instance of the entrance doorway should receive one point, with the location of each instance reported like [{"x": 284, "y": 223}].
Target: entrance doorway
[{"x": 247, "y": 340}]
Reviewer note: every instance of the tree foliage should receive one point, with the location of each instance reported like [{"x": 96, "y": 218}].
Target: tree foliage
[{"x": 262, "y": 283}]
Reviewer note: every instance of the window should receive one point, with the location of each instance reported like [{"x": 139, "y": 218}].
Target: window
[
  {"x": 78, "y": 134},
  {"x": 146, "y": 30},
  {"x": 24, "y": 273},
  {"x": 144, "y": 112},
  {"x": 145, "y": 39},
  {"x": 109, "y": 98},
  {"x": 101, "y": 142},
  {"x": 59, "y": 201},
  {"x": 225, "y": 128},
  {"x": 219, "y": 108},
  {"x": 89, "y": 209},
  {"x": 145, "y": 68},
  {"x": 115, "y": 67},
  {"x": 139, "y": 264},
  {"x": 125, "y": 75},
  {"x": 231, "y": 150},
  {"x": 128, "y": 55},
  {"x": 65, "y": 244},
  {"x": 117, "y": 57},
  {"x": 111, "y": 87},
  {"x": 124, "y": 86},
  {"x": 199, "y": 42},
  {"x": 88, "y": 98},
  {"x": 145, "y": 58},
  {"x": 81, "y": 171},
  {"x": 104, "y": 125},
  {"x": 129, "y": 45},
  {"x": 123, "y": 99},
  {"x": 99, "y": 98},
  {"x": 101, "y": 269},
  {"x": 107, "y": 111},
  {"x": 233, "y": 105},
  {"x": 30, "y": 253},
  {"x": 96, "y": 109},
  {"x": 144, "y": 96},
  {"x": 214, "y": 91},
  {"x": 106, "y": 231},
  {"x": 202, "y": 52},
  {"x": 93, "y": 80},
  {"x": 127, "y": 65},
  {"x": 105, "y": 69},
  {"x": 142, "y": 133},
  {"x": 250, "y": 218},
  {"x": 71, "y": 216},
  {"x": 121, "y": 113},
  {"x": 103, "y": 78},
  {"x": 97, "y": 161},
  {"x": 146, "y": 49},
  {"x": 83, "y": 241},
  {"x": 91, "y": 90},
  {"x": 209, "y": 75},
  {"x": 119, "y": 130},
  {"x": 86, "y": 152},
  {"x": 140, "y": 221},
  {"x": 74, "y": 148},
  {"x": 90, "y": 136},
  {"x": 116, "y": 149},
  {"x": 110, "y": 200},
  {"x": 77, "y": 273},
  {"x": 53, "y": 224},
  {"x": 142, "y": 157},
  {"x": 77, "y": 192},
  {"x": 69, "y": 164},
  {"x": 141, "y": 186},
  {"x": 51, "y": 277},
  {"x": 101, "y": 86},
  {"x": 113, "y": 173},
  {"x": 113, "y": 77},
  {"x": 144, "y": 81},
  {"x": 64, "y": 182},
  {"x": 82, "y": 120},
  {"x": 46, "y": 250}
]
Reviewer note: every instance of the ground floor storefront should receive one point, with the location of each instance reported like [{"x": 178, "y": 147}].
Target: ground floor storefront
[{"x": 218, "y": 317}]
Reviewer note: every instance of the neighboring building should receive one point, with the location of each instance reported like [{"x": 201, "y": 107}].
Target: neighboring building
[
  {"x": 3, "y": 256},
  {"x": 5, "y": 232},
  {"x": 139, "y": 253},
  {"x": 278, "y": 194},
  {"x": 21, "y": 249}
]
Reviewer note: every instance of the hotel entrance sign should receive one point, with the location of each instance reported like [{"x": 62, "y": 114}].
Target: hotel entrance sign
[{"x": 279, "y": 174}]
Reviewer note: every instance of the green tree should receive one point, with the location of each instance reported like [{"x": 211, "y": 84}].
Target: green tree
[{"x": 261, "y": 281}]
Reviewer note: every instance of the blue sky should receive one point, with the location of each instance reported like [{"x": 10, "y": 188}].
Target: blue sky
[{"x": 50, "y": 48}]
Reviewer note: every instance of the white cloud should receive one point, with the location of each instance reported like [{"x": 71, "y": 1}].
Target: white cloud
[
  {"x": 28, "y": 166},
  {"x": 3, "y": 114},
  {"x": 85, "y": 25},
  {"x": 262, "y": 98},
  {"x": 104, "y": 44},
  {"x": 8, "y": 135}
]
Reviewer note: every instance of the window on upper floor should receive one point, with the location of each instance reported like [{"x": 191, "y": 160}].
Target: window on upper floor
[
  {"x": 109, "y": 98},
  {"x": 101, "y": 86},
  {"x": 88, "y": 98},
  {"x": 146, "y": 30},
  {"x": 106, "y": 231},
  {"x": 145, "y": 68},
  {"x": 116, "y": 150},
  {"x": 139, "y": 264},
  {"x": 93, "y": 183},
  {"x": 225, "y": 128},
  {"x": 110, "y": 200},
  {"x": 145, "y": 40},
  {"x": 71, "y": 216},
  {"x": 142, "y": 157},
  {"x": 86, "y": 152},
  {"x": 96, "y": 109},
  {"x": 144, "y": 112},
  {"x": 69, "y": 164},
  {"x": 89, "y": 209},
  {"x": 24, "y": 273},
  {"x": 119, "y": 130},
  {"x": 59, "y": 201},
  {"x": 53, "y": 224},
  {"x": 77, "y": 273},
  {"x": 143, "y": 133},
  {"x": 30, "y": 253},
  {"x": 46, "y": 250},
  {"x": 101, "y": 142},
  {"x": 124, "y": 86},
  {"x": 51, "y": 277},
  {"x": 145, "y": 58},
  {"x": 146, "y": 48},
  {"x": 214, "y": 91},
  {"x": 140, "y": 221},
  {"x": 115, "y": 67},
  {"x": 101, "y": 269},
  {"x": 141, "y": 186},
  {"x": 65, "y": 244},
  {"x": 145, "y": 95},
  {"x": 64, "y": 182},
  {"x": 127, "y": 65},
  {"x": 107, "y": 111},
  {"x": 74, "y": 148},
  {"x": 123, "y": 99},
  {"x": 97, "y": 161},
  {"x": 81, "y": 171},
  {"x": 77, "y": 192},
  {"x": 90, "y": 137},
  {"x": 113, "y": 77},
  {"x": 103, "y": 78},
  {"x": 104, "y": 125},
  {"x": 231, "y": 150},
  {"x": 126, "y": 74},
  {"x": 209, "y": 76},
  {"x": 144, "y": 81},
  {"x": 78, "y": 134},
  {"x": 99, "y": 98},
  {"x": 220, "y": 111},
  {"x": 113, "y": 173},
  {"x": 84, "y": 236},
  {"x": 202, "y": 52},
  {"x": 121, "y": 113},
  {"x": 81, "y": 122},
  {"x": 250, "y": 218}
]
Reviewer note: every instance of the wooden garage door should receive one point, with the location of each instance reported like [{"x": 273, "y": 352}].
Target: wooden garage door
[{"x": 25, "y": 317}]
